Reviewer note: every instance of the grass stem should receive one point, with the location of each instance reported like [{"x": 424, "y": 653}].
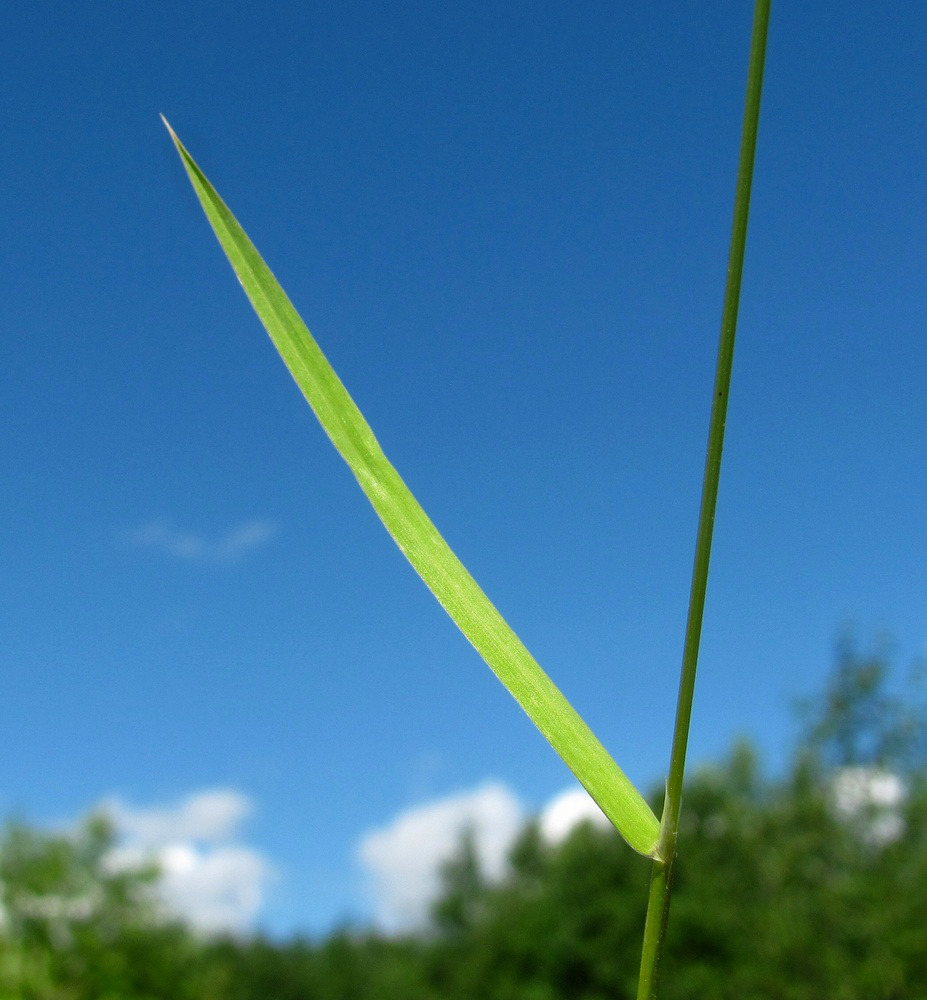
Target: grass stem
[{"x": 662, "y": 873}]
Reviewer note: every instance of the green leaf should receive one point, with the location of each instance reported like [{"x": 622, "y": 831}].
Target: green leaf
[{"x": 418, "y": 538}]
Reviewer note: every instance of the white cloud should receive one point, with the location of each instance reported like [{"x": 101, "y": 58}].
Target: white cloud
[
  {"x": 241, "y": 540},
  {"x": 566, "y": 811},
  {"x": 403, "y": 858},
  {"x": 215, "y": 889},
  {"x": 873, "y": 798},
  {"x": 207, "y": 879},
  {"x": 211, "y": 816},
  {"x": 191, "y": 547}
]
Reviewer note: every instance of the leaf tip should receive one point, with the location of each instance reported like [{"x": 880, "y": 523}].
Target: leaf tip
[{"x": 173, "y": 134}]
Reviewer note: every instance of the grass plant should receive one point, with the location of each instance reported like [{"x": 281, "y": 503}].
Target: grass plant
[{"x": 451, "y": 583}]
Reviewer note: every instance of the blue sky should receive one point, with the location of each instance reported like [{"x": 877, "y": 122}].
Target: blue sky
[{"x": 507, "y": 227}]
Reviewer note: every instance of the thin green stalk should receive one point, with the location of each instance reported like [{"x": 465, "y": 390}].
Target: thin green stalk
[{"x": 662, "y": 872}]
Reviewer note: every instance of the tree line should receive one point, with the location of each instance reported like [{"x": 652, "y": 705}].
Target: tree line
[{"x": 810, "y": 885}]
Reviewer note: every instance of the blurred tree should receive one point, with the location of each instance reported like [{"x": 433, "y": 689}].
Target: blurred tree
[
  {"x": 781, "y": 891},
  {"x": 462, "y": 900},
  {"x": 859, "y": 722},
  {"x": 77, "y": 927}
]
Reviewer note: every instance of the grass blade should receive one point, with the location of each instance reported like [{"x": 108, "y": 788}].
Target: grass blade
[{"x": 417, "y": 537}]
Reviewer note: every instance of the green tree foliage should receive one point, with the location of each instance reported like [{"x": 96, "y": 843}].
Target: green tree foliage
[
  {"x": 459, "y": 908},
  {"x": 74, "y": 927},
  {"x": 780, "y": 892}
]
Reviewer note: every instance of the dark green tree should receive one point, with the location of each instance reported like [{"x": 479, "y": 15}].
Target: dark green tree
[{"x": 462, "y": 901}]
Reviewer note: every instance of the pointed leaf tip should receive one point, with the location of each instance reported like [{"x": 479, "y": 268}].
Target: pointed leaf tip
[{"x": 167, "y": 125}]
